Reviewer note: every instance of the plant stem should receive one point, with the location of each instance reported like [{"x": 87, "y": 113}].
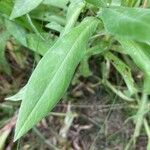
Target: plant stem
[{"x": 140, "y": 115}]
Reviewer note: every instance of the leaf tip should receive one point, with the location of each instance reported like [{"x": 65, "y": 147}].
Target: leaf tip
[
  {"x": 16, "y": 137},
  {"x": 18, "y": 134},
  {"x": 11, "y": 16}
]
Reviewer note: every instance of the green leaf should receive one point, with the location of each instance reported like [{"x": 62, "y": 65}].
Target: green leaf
[
  {"x": 130, "y": 3},
  {"x": 73, "y": 13},
  {"x": 127, "y": 23},
  {"x": 84, "y": 68},
  {"x": 124, "y": 70},
  {"x": 52, "y": 76},
  {"x": 18, "y": 96},
  {"x": 33, "y": 27},
  {"x": 116, "y": 2},
  {"x": 23, "y": 7},
  {"x": 56, "y": 3},
  {"x": 32, "y": 41},
  {"x": 39, "y": 45},
  {"x": 6, "y": 7},
  {"x": 4, "y": 66},
  {"x": 4, "y": 134},
  {"x": 97, "y": 49},
  {"x": 17, "y": 31},
  {"x": 54, "y": 26},
  {"x": 4, "y": 36},
  {"x": 97, "y": 3},
  {"x": 138, "y": 54},
  {"x": 141, "y": 56}
]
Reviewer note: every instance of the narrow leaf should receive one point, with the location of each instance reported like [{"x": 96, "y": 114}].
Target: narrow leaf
[
  {"x": 54, "y": 26},
  {"x": 140, "y": 56},
  {"x": 124, "y": 70},
  {"x": 4, "y": 36},
  {"x": 85, "y": 68},
  {"x": 73, "y": 13}
]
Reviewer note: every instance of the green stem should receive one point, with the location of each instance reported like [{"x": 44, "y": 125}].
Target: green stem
[{"x": 140, "y": 115}]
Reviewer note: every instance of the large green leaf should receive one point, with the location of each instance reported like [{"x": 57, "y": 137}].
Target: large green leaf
[
  {"x": 52, "y": 76},
  {"x": 127, "y": 23},
  {"x": 22, "y": 7}
]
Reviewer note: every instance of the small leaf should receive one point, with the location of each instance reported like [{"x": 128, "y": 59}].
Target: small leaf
[
  {"x": 123, "y": 69},
  {"x": 127, "y": 23},
  {"x": 54, "y": 26},
  {"x": 73, "y": 13},
  {"x": 140, "y": 56},
  {"x": 52, "y": 76},
  {"x": 32, "y": 41},
  {"x": 17, "y": 31},
  {"x": 97, "y": 49},
  {"x": 23, "y": 7}
]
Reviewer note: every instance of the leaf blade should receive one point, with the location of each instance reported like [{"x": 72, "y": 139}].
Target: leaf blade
[
  {"x": 59, "y": 63},
  {"x": 23, "y": 7},
  {"x": 124, "y": 70},
  {"x": 141, "y": 58},
  {"x": 127, "y": 23}
]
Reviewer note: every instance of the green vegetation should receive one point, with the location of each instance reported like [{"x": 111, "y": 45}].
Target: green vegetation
[{"x": 105, "y": 42}]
